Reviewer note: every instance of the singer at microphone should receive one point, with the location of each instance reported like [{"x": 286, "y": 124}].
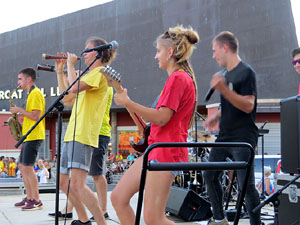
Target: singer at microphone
[
  {"x": 212, "y": 90},
  {"x": 47, "y": 56},
  {"x": 111, "y": 45}
]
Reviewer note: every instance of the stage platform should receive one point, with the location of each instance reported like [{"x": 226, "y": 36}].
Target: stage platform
[{"x": 10, "y": 215}]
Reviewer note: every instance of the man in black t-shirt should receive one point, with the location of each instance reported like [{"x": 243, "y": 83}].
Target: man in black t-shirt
[{"x": 237, "y": 86}]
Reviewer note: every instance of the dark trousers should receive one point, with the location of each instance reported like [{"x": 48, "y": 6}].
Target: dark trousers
[{"x": 214, "y": 188}]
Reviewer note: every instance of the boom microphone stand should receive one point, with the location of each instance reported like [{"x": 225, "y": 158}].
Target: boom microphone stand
[{"x": 57, "y": 104}]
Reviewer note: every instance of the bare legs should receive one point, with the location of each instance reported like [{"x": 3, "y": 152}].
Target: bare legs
[
  {"x": 156, "y": 195},
  {"x": 30, "y": 181},
  {"x": 80, "y": 194}
]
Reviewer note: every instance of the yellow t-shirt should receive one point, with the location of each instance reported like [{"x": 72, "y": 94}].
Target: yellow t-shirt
[
  {"x": 90, "y": 110},
  {"x": 2, "y": 165},
  {"x": 106, "y": 128},
  {"x": 12, "y": 169},
  {"x": 35, "y": 101}
]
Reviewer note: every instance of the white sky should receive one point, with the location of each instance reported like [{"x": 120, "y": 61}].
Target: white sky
[{"x": 19, "y": 13}]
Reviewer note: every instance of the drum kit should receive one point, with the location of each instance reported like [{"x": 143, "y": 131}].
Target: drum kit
[{"x": 194, "y": 179}]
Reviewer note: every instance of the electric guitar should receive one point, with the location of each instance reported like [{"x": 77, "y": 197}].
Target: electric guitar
[{"x": 114, "y": 80}]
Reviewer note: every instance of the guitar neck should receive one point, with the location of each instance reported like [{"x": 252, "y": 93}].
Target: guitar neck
[
  {"x": 113, "y": 80},
  {"x": 118, "y": 88},
  {"x": 139, "y": 122}
]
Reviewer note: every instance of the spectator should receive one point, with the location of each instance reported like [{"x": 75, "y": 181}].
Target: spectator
[
  {"x": 130, "y": 157},
  {"x": 111, "y": 157},
  {"x": 37, "y": 167},
  {"x": 108, "y": 175},
  {"x": 119, "y": 169},
  {"x": 119, "y": 157},
  {"x": 3, "y": 166},
  {"x": 48, "y": 167},
  {"x": 113, "y": 167},
  {"x": 18, "y": 172},
  {"x": 42, "y": 173},
  {"x": 268, "y": 185},
  {"x": 12, "y": 167},
  {"x": 278, "y": 168}
]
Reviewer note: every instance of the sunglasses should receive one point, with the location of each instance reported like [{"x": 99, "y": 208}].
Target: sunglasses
[{"x": 296, "y": 61}]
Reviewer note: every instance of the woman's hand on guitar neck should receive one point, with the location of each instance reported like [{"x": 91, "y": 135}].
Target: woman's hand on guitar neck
[{"x": 121, "y": 98}]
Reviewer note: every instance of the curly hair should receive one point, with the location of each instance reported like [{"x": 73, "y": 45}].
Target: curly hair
[{"x": 182, "y": 40}]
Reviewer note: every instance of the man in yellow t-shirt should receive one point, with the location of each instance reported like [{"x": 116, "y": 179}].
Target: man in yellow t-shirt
[
  {"x": 88, "y": 111},
  {"x": 35, "y": 108}
]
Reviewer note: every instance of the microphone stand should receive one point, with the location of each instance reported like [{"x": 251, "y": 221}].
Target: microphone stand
[
  {"x": 261, "y": 132},
  {"x": 57, "y": 104}
]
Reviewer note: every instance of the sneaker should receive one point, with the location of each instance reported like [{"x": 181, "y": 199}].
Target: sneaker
[
  {"x": 32, "y": 204},
  {"x": 22, "y": 203},
  {"x": 61, "y": 216},
  {"x": 106, "y": 216},
  {"x": 212, "y": 222},
  {"x": 78, "y": 222}
]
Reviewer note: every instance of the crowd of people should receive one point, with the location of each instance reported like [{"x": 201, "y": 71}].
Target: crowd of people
[
  {"x": 119, "y": 164},
  {"x": 9, "y": 168},
  {"x": 43, "y": 168}
]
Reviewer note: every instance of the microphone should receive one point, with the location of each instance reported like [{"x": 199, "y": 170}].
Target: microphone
[
  {"x": 211, "y": 90},
  {"x": 47, "y": 56},
  {"x": 111, "y": 45},
  {"x": 209, "y": 94},
  {"x": 262, "y": 126},
  {"x": 45, "y": 67}
]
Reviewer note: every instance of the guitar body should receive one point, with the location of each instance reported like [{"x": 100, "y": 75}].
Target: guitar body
[{"x": 142, "y": 145}]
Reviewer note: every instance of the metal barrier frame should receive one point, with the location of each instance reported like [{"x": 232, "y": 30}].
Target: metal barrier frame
[{"x": 156, "y": 166}]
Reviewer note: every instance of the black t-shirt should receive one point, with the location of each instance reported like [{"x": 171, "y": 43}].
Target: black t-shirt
[{"x": 236, "y": 125}]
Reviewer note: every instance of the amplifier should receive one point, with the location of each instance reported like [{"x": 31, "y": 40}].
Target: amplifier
[{"x": 289, "y": 207}]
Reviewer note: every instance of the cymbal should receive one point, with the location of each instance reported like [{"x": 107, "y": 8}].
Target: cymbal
[{"x": 203, "y": 136}]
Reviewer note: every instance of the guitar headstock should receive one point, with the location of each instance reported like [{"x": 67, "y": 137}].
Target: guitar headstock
[{"x": 112, "y": 76}]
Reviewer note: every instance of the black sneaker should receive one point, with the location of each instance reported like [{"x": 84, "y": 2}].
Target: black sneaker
[
  {"x": 78, "y": 222},
  {"x": 106, "y": 216},
  {"x": 61, "y": 216}
]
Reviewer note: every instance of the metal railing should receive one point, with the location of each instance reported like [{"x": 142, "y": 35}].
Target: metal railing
[{"x": 156, "y": 166}]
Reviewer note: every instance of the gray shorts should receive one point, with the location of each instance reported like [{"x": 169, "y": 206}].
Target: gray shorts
[
  {"x": 81, "y": 159},
  {"x": 98, "y": 158},
  {"x": 29, "y": 152}
]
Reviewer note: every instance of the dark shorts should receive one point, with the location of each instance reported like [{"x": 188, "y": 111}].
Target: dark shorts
[
  {"x": 98, "y": 158},
  {"x": 29, "y": 152},
  {"x": 78, "y": 157}
]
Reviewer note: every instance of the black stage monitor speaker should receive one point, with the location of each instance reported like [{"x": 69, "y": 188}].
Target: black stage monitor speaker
[
  {"x": 187, "y": 205},
  {"x": 290, "y": 135}
]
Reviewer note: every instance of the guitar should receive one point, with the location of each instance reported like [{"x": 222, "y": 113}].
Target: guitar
[{"x": 114, "y": 80}]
